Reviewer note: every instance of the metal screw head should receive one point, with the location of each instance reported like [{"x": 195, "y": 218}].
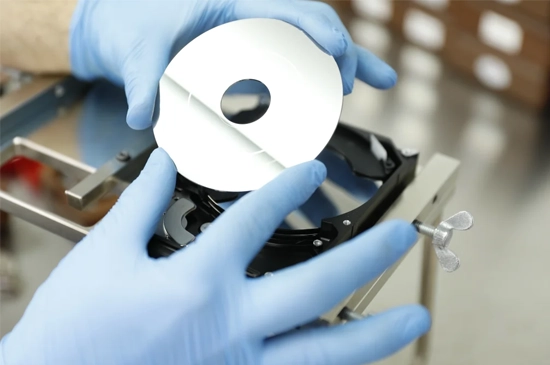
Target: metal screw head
[
  {"x": 123, "y": 156},
  {"x": 317, "y": 243},
  {"x": 409, "y": 152},
  {"x": 347, "y": 222},
  {"x": 204, "y": 226},
  {"x": 59, "y": 91}
]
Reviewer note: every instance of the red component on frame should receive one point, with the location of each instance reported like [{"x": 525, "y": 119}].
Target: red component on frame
[{"x": 23, "y": 168}]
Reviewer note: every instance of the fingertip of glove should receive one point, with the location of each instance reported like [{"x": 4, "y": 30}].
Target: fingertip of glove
[
  {"x": 137, "y": 118},
  {"x": 348, "y": 86},
  {"x": 158, "y": 154},
  {"x": 418, "y": 321},
  {"x": 390, "y": 78},
  {"x": 312, "y": 172},
  {"x": 159, "y": 162},
  {"x": 319, "y": 28},
  {"x": 385, "y": 79},
  {"x": 403, "y": 234},
  {"x": 319, "y": 171},
  {"x": 410, "y": 235}
]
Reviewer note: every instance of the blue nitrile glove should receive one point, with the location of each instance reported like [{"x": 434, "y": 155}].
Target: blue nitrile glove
[
  {"x": 131, "y": 42},
  {"x": 109, "y": 303}
]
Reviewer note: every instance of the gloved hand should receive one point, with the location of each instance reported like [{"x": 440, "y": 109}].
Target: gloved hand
[
  {"x": 109, "y": 303},
  {"x": 131, "y": 42}
]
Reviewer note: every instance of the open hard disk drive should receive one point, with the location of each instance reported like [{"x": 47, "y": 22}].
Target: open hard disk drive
[
  {"x": 373, "y": 157},
  {"x": 301, "y": 120},
  {"x": 369, "y": 156}
]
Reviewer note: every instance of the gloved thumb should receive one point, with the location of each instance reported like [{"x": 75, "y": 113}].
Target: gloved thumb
[
  {"x": 133, "y": 219},
  {"x": 141, "y": 75}
]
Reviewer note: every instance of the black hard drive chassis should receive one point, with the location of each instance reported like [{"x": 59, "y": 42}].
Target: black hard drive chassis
[{"x": 194, "y": 207}]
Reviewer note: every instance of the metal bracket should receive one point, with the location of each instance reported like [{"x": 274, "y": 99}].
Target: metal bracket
[
  {"x": 125, "y": 166},
  {"x": 25, "y": 110}
]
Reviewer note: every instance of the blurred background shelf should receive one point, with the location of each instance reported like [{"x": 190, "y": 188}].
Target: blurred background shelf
[{"x": 503, "y": 45}]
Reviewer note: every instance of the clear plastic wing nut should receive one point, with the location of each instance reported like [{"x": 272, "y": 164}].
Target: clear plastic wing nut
[{"x": 441, "y": 237}]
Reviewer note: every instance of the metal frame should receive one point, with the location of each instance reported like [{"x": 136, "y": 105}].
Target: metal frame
[
  {"x": 126, "y": 167},
  {"x": 423, "y": 200},
  {"x": 25, "y": 110},
  {"x": 427, "y": 296},
  {"x": 38, "y": 216}
]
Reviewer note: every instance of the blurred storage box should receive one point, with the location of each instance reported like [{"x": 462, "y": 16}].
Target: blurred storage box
[
  {"x": 510, "y": 76},
  {"x": 498, "y": 43},
  {"x": 503, "y": 29},
  {"x": 539, "y": 10}
]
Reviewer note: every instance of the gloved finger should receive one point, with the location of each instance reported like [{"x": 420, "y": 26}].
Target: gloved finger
[
  {"x": 316, "y": 24},
  {"x": 373, "y": 71},
  {"x": 141, "y": 74},
  {"x": 353, "y": 343},
  {"x": 342, "y": 175},
  {"x": 324, "y": 281},
  {"x": 348, "y": 67},
  {"x": 360, "y": 63},
  {"x": 132, "y": 220},
  {"x": 347, "y": 63},
  {"x": 241, "y": 231}
]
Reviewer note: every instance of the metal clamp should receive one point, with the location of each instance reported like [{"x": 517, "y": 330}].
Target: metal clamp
[
  {"x": 30, "y": 212},
  {"x": 441, "y": 237},
  {"x": 126, "y": 166}
]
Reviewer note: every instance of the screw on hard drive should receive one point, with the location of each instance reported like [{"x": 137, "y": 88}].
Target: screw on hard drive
[
  {"x": 59, "y": 91},
  {"x": 347, "y": 222},
  {"x": 441, "y": 237},
  {"x": 389, "y": 165},
  {"x": 123, "y": 156},
  {"x": 317, "y": 243}
]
